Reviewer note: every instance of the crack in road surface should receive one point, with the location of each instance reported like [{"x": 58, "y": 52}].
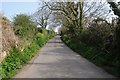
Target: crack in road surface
[{"x": 56, "y": 60}]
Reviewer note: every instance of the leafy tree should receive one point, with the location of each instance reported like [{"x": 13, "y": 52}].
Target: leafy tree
[
  {"x": 97, "y": 33},
  {"x": 23, "y": 25}
]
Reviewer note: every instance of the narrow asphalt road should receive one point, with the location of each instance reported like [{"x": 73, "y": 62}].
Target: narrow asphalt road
[{"x": 56, "y": 60}]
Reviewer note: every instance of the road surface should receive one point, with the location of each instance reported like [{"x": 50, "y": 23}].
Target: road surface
[{"x": 56, "y": 60}]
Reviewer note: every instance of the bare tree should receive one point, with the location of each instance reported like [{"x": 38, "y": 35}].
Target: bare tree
[
  {"x": 41, "y": 16},
  {"x": 70, "y": 11},
  {"x": 75, "y": 13},
  {"x": 95, "y": 9}
]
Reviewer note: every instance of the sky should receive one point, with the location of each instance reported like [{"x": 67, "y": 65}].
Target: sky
[{"x": 10, "y": 9}]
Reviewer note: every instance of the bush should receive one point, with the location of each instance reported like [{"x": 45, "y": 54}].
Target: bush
[
  {"x": 96, "y": 34},
  {"x": 11, "y": 63},
  {"x": 16, "y": 58},
  {"x": 24, "y": 26},
  {"x": 40, "y": 39},
  {"x": 94, "y": 54},
  {"x": 48, "y": 33}
]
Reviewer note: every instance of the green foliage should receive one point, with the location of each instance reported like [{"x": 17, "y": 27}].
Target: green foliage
[
  {"x": 11, "y": 63},
  {"x": 94, "y": 54},
  {"x": 51, "y": 34},
  {"x": 97, "y": 33},
  {"x": 22, "y": 20},
  {"x": 24, "y": 26},
  {"x": 29, "y": 52},
  {"x": 48, "y": 33},
  {"x": 98, "y": 44},
  {"x": 40, "y": 39},
  {"x": 116, "y": 9},
  {"x": 16, "y": 58}
]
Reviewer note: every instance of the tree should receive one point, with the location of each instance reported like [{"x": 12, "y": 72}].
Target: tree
[
  {"x": 74, "y": 13},
  {"x": 69, "y": 11},
  {"x": 41, "y": 16},
  {"x": 116, "y": 10},
  {"x": 23, "y": 25}
]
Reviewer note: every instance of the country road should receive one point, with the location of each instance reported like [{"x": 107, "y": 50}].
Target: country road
[{"x": 56, "y": 60}]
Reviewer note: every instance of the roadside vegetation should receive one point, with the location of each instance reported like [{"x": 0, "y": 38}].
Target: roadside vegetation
[
  {"x": 99, "y": 42},
  {"x": 87, "y": 29},
  {"x": 28, "y": 39}
]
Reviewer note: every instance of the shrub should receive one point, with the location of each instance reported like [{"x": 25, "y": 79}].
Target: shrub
[
  {"x": 23, "y": 25},
  {"x": 108, "y": 61},
  {"x": 40, "y": 39},
  {"x": 11, "y": 63},
  {"x": 16, "y": 58}
]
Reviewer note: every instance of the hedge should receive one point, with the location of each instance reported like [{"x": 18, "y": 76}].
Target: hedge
[{"x": 15, "y": 59}]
